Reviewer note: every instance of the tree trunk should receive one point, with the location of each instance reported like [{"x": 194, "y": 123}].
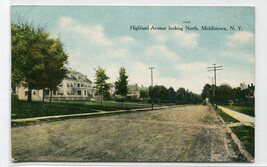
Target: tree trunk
[
  {"x": 43, "y": 94},
  {"x": 29, "y": 94},
  {"x": 101, "y": 98},
  {"x": 51, "y": 92}
]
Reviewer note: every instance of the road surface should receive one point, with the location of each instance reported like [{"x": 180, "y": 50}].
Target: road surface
[{"x": 185, "y": 133}]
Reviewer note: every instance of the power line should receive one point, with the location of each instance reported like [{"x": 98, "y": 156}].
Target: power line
[
  {"x": 214, "y": 69},
  {"x": 152, "y": 100}
]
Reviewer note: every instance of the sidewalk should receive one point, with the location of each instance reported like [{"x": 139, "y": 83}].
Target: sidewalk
[{"x": 243, "y": 118}]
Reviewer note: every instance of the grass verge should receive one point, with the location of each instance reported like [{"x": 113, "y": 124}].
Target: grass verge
[
  {"x": 246, "y": 136},
  {"x": 22, "y": 109},
  {"x": 227, "y": 118},
  {"x": 249, "y": 110}
]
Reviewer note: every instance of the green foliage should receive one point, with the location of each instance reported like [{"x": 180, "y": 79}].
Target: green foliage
[
  {"x": 121, "y": 85},
  {"x": 160, "y": 94},
  {"x": 102, "y": 86},
  {"x": 207, "y": 91},
  {"x": 225, "y": 92},
  {"x": 246, "y": 136},
  {"x": 143, "y": 93},
  {"x": 37, "y": 60}
]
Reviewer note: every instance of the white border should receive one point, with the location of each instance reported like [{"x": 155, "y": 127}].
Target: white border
[{"x": 261, "y": 74}]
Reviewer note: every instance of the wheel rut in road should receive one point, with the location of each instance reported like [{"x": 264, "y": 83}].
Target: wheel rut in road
[{"x": 213, "y": 144}]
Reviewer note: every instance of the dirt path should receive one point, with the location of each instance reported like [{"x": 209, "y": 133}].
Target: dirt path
[{"x": 190, "y": 133}]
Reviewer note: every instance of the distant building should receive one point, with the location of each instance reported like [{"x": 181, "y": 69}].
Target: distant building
[
  {"x": 75, "y": 86},
  {"x": 251, "y": 92},
  {"x": 133, "y": 91},
  {"x": 143, "y": 88}
]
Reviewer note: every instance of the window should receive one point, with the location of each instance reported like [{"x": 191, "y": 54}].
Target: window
[
  {"x": 26, "y": 93},
  {"x": 46, "y": 92},
  {"x": 78, "y": 85},
  {"x": 79, "y": 92},
  {"x": 33, "y": 92},
  {"x": 85, "y": 93},
  {"x": 54, "y": 92}
]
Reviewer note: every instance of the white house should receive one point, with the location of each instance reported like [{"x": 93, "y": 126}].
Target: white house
[{"x": 75, "y": 86}]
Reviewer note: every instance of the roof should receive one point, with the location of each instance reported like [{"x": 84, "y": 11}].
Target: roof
[
  {"x": 133, "y": 87},
  {"x": 77, "y": 76}
]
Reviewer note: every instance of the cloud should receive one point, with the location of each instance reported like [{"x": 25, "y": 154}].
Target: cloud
[
  {"x": 65, "y": 21},
  {"x": 196, "y": 66},
  {"x": 92, "y": 32},
  {"x": 243, "y": 57},
  {"x": 193, "y": 76},
  {"x": 92, "y": 40},
  {"x": 159, "y": 36},
  {"x": 182, "y": 38},
  {"x": 240, "y": 38},
  {"x": 160, "y": 51},
  {"x": 113, "y": 53},
  {"x": 125, "y": 40}
]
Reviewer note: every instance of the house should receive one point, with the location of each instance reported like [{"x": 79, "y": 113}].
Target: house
[
  {"x": 75, "y": 86},
  {"x": 133, "y": 91}
]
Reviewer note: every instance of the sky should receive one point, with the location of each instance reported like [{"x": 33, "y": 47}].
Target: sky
[{"x": 96, "y": 36}]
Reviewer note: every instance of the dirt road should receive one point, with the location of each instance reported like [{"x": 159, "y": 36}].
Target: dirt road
[{"x": 189, "y": 133}]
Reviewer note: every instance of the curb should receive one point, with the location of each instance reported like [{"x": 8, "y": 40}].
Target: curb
[{"x": 239, "y": 144}]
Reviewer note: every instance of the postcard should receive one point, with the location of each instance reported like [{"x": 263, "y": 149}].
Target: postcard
[{"x": 132, "y": 83}]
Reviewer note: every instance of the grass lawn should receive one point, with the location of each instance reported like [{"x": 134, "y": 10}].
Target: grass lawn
[
  {"x": 246, "y": 136},
  {"x": 227, "y": 118},
  {"x": 249, "y": 110},
  {"x": 23, "y": 109}
]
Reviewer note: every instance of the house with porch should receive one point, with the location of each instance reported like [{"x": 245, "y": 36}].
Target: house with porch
[{"x": 75, "y": 86}]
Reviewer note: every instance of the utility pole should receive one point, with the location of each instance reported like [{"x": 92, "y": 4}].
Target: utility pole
[
  {"x": 211, "y": 80},
  {"x": 214, "y": 69},
  {"x": 152, "y": 99}
]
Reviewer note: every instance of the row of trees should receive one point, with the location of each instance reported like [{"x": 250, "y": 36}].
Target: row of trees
[
  {"x": 38, "y": 61},
  {"x": 102, "y": 87},
  {"x": 225, "y": 92},
  {"x": 160, "y": 94}
]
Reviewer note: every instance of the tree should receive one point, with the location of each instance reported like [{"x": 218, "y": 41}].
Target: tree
[
  {"x": 101, "y": 85},
  {"x": 54, "y": 67},
  {"x": 37, "y": 60},
  {"x": 171, "y": 95},
  {"x": 121, "y": 85},
  {"x": 143, "y": 93},
  {"x": 181, "y": 96},
  {"x": 206, "y": 92},
  {"x": 224, "y": 92}
]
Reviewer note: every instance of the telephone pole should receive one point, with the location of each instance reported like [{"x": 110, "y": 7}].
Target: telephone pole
[
  {"x": 211, "y": 80},
  {"x": 152, "y": 99},
  {"x": 214, "y": 69}
]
